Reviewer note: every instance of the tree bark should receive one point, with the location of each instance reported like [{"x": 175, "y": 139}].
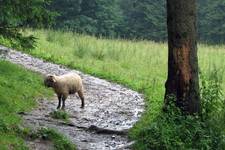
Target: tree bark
[{"x": 182, "y": 81}]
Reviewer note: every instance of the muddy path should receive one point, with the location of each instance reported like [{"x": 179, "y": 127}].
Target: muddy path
[{"x": 108, "y": 106}]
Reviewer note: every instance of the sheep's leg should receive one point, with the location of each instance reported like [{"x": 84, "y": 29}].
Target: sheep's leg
[
  {"x": 81, "y": 95},
  {"x": 63, "y": 102},
  {"x": 59, "y": 103}
]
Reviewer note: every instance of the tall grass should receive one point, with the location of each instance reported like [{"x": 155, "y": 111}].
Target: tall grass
[{"x": 141, "y": 65}]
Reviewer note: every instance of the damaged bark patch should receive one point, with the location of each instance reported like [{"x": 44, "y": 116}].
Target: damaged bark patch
[{"x": 182, "y": 60}]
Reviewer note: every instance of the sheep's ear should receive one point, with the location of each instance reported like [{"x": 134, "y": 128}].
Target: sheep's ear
[{"x": 52, "y": 77}]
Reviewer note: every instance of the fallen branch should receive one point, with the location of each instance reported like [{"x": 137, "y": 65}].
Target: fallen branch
[
  {"x": 92, "y": 128},
  {"x": 107, "y": 131},
  {"x": 96, "y": 129}
]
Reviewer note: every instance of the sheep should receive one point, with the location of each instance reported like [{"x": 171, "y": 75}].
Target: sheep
[{"x": 64, "y": 85}]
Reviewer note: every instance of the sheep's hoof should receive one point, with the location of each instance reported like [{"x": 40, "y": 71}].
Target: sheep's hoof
[
  {"x": 82, "y": 107},
  {"x": 57, "y": 107}
]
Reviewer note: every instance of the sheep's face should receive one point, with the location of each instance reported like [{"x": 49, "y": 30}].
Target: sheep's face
[{"x": 49, "y": 81}]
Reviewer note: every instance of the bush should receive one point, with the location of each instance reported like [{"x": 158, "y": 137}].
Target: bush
[{"x": 173, "y": 130}]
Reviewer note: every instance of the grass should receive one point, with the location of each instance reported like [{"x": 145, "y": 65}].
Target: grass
[
  {"x": 18, "y": 90},
  {"x": 60, "y": 142},
  {"x": 59, "y": 114},
  {"x": 140, "y": 65}
]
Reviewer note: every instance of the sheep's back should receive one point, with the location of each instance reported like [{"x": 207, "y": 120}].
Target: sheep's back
[{"x": 71, "y": 81}]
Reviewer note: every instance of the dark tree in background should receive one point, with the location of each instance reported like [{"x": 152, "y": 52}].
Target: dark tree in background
[
  {"x": 135, "y": 19},
  {"x": 94, "y": 17},
  {"x": 16, "y": 14},
  {"x": 68, "y": 12},
  {"x": 182, "y": 81},
  {"x": 144, "y": 19},
  {"x": 211, "y": 20}
]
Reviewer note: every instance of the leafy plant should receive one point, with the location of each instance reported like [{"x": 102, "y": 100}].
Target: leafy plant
[
  {"x": 174, "y": 130},
  {"x": 211, "y": 95},
  {"x": 16, "y": 14},
  {"x": 59, "y": 115}
]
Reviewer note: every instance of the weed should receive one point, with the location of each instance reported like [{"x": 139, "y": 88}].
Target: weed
[
  {"x": 98, "y": 54},
  {"x": 174, "y": 130},
  {"x": 80, "y": 50},
  {"x": 59, "y": 115},
  {"x": 60, "y": 142}
]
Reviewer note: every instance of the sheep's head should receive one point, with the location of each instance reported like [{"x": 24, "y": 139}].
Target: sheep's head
[{"x": 49, "y": 81}]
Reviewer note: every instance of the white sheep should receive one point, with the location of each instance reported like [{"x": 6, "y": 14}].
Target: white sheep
[{"x": 64, "y": 85}]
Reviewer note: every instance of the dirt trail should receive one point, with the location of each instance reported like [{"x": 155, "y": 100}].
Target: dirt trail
[{"x": 109, "y": 106}]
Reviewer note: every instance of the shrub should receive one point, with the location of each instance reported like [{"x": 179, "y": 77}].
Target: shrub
[
  {"x": 59, "y": 115},
  {"x": 173, "y": 130}
]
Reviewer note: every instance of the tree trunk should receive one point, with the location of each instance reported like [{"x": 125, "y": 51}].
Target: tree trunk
[{"x": 182, "y": 81}]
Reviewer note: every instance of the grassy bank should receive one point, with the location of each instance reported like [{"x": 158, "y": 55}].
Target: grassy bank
[
  {"x": 141, "y": 66},
  {"x": 18, "y": 90}
]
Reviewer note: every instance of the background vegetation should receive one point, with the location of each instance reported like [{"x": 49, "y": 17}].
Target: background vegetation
[
  {"x": 142, "y": 19},
  {"x": 17, "y": 14},
  {"x": 133, "y": 19}
]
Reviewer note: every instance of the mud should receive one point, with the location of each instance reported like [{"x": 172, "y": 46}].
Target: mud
[{"x": 107, "y": 105}]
